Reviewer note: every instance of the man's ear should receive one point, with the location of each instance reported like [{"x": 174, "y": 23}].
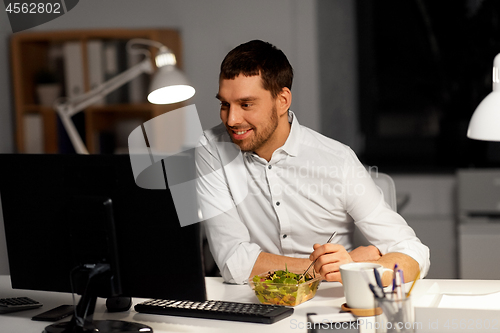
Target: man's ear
[{"x": 284, "y": 100}]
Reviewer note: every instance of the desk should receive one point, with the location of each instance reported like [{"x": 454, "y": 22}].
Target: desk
[{"x": 328, "y": 299}]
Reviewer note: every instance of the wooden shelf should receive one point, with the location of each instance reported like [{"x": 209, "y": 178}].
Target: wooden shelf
[{"x": 30, "y": 54}]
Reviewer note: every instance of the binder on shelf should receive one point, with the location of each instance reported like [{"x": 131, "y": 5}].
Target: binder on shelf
[
  {"x": 115, "y": 62},
  {"x": 95, "y": 65},
  {"x": 73, "y": 69},
  {"x": 55, "y": 61},
  {"x": 33, "y": 134},
  {"x": 137, "y": 88},
  {"x": 75, "y": 85}
]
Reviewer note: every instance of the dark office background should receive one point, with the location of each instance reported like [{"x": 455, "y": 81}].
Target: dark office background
[
  {"x": 397, "y": 80},
  {"x": 424, "y": 66}
]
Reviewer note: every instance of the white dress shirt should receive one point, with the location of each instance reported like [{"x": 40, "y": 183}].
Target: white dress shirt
[{"x": 312, "y": 186}]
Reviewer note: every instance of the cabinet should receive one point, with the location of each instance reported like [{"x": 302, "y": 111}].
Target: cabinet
[
  {"x": 479, "y": 222},
  {"x": 31, "y": 54},
  {"x": 430, "y": 211}
]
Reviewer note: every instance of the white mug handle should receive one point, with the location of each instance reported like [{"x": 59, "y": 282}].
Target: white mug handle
[{"x": 384, "y": 269}]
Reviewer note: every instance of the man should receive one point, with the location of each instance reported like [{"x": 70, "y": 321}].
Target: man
[{"x": 270, "y": 188}]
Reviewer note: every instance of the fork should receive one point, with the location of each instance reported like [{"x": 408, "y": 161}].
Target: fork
[{"x": 311, "y": 265}]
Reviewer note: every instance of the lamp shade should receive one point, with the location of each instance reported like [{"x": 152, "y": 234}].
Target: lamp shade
[
  {"x": 485, "y": 122},
  {"x": 169, "y": 85}
]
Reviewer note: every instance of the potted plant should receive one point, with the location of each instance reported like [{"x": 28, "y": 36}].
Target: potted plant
[{"x": 48, "y": 89}]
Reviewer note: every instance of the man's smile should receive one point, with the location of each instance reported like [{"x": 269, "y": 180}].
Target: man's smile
[{"x": 239, "y": 134}]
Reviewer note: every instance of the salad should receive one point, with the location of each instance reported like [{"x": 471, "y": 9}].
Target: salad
[{"x": 283, "y": 287}]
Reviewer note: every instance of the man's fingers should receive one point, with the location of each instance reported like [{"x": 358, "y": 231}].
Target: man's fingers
[
  {"x": 332, "y": 276},
  {"x": 328, "y": 258},
  {"x": 329, "y": 271},
  {"x": 324, "y": 266},
  {"x": 325, "y": 248}
]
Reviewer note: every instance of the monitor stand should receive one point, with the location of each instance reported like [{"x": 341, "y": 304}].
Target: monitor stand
[
  {"x": 101, "y": 326},
  {"x": 82, "y": 321}
]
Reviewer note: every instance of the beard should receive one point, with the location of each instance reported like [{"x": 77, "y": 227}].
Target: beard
[{"x": 260, "y": 136}]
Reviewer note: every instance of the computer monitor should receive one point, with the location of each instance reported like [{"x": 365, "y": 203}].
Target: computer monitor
[{"x": 59, "y": 209}]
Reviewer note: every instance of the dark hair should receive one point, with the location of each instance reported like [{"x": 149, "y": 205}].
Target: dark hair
[{"x": 256, "y": 57}]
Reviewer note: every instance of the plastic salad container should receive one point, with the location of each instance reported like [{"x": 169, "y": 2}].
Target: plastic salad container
[{"x": 282, "y": 288}]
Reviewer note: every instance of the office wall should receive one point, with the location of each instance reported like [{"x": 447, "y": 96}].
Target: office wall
[
  {"x": 338, "y": 59},
  {"x": 209, "y": 29},
  {"x": 6, "y": 98}
]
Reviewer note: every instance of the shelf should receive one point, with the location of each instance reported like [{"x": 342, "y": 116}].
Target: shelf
[{"x": 30, "y": 53}]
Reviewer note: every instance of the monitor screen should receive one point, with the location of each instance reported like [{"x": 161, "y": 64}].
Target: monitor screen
[{"x": 44, "y": 196}]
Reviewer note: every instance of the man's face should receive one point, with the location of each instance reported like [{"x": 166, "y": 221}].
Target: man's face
[{"x": 248, "y": 111}]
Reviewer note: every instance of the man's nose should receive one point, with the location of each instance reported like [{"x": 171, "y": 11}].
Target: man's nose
[{"x": 234, "y": 117}]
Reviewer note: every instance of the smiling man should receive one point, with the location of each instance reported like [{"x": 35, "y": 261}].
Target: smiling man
[
  {"x": 270, "y": 188},
  {"x": 255, "y": 120}
]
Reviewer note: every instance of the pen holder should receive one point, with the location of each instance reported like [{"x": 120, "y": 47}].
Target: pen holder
[{"x": 398, "y": 315}]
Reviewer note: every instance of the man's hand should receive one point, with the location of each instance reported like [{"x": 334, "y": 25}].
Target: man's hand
[
  {"x": 330, "y": 257},
  {"x": 365, "y": 253}
]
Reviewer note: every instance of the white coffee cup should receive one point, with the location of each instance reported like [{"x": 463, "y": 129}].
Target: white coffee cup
[{"x": 356, "y": 289}]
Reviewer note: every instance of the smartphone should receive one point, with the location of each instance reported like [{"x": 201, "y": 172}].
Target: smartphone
[{"x": 55, "y": 314}]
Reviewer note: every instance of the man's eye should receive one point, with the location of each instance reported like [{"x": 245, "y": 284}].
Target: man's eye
[
  {"x": 246, "y": 105},
  {"x": 224, "y": 105}
]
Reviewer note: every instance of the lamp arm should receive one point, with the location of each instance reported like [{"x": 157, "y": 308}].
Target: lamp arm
[
  {"x": 76, "y": 104},
  {"x": 85, "y": 100}
]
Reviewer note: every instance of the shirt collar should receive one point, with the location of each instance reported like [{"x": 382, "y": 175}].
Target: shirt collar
[{"x": 291, "y": 146}]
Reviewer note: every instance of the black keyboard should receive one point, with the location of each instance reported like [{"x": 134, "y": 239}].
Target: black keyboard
[
  {"x": 17, "y": 304},
  {"x": 222, "y": 310}
]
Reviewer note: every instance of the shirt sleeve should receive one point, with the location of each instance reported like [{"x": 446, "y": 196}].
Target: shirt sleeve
[
  {"x": 382, "y": 226},
  {"x": 227, "y": 235}
]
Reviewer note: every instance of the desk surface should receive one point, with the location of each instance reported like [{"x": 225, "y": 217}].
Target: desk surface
[{"x": 328, "y": 299}]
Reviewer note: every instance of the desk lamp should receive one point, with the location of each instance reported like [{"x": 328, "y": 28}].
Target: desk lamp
[
  {"x": 485, "y": 122},
  {"x": 168, "y": 85}
]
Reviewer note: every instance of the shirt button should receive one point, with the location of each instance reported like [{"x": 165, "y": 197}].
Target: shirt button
[
  {"x": 269, "y": 167},
  {"x": 285, "y": 236},
  {"x": 277, "y": 203}
]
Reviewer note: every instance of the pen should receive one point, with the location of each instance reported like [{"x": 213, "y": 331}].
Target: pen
[
  {"x": 413, "y": 284},
  {"x": 377, "y": 291},
  {"x": 395, "y": 270},
  {"x": 395, "y": 282},
  {"x": 377, "y": 278},
  {"x": 380, "y": 286},
  {"x": 399, "y": 288}
]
